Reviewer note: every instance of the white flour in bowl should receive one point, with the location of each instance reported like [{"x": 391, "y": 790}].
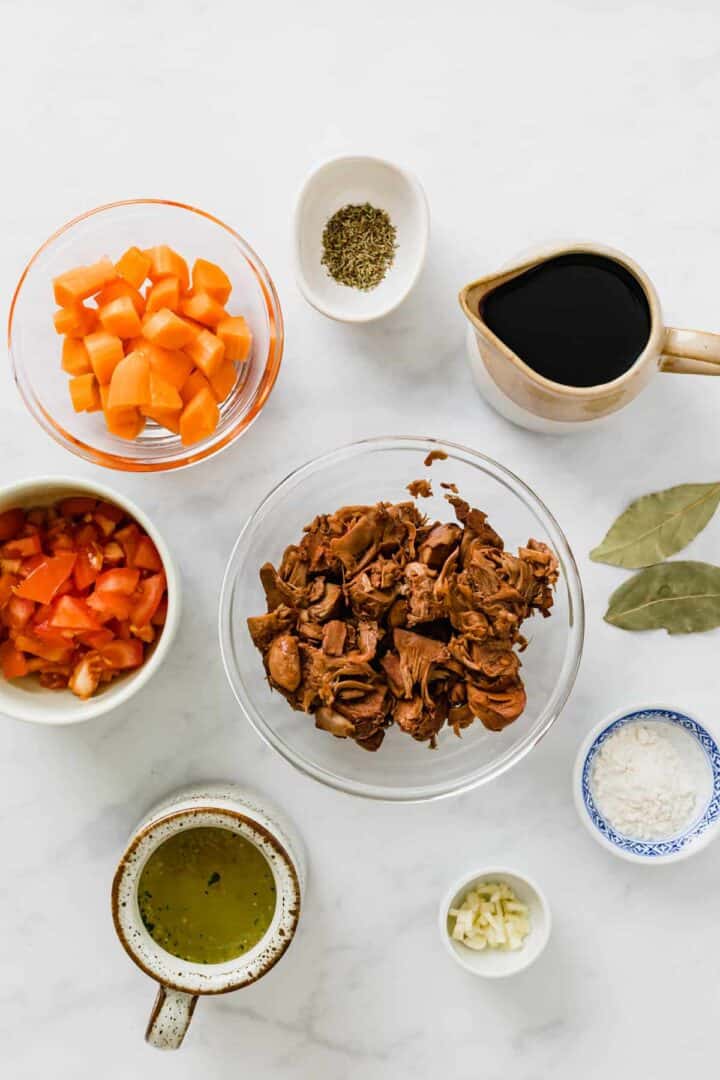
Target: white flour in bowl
[{"x": 646, "y": 780}]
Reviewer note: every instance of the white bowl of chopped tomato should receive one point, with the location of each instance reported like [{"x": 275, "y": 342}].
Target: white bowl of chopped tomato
[{"x": 89, "y": 600}]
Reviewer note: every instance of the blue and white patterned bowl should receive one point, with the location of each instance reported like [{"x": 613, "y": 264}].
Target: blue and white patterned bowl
[{"x": 696, "y": 834}]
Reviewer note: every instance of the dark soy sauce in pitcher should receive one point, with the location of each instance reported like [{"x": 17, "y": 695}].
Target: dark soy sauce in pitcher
[{"x": 579, "y": 319}]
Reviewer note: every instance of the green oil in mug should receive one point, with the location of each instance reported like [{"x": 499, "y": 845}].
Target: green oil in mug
[{"x": 207, "y": 895}]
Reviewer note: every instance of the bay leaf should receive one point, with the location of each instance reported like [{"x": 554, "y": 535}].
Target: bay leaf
[
  {"x": 658, "y": 525},
  {"x": 682, "y": 597}
]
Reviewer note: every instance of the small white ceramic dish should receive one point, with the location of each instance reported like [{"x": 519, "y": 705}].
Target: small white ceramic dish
[
  {"x": 25, "y": 699},
  {"x": 702, "y": 828},
  {"x": 497, "y": 963},
  {"x": 335, "y": 184}
]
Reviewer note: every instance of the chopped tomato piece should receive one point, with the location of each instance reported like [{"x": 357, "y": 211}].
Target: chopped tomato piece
[
  {"x": 96, "y": 639},
  {"x": 86, "y": 675},
  {"x": 23, "y": 547},
  {"x": 11, "y": 522},
  {"x": 123, "y": 580},
  {"x": 43, "y": 582},
  {"x": 58, "y": 653},
  {"x": 12, "y": 661},
  {"x": 113, "y": 553},
  {"x": 72, "y": 613},
  {"x": 77, "y": 506},
  {"x": 86, "y": 535},
  {"x": 88, "y": 565},
  {"x": 123, "y": 654},
  {"x": 7, "y": 585},
  {"x": 146, "y": 555},
  {"x": 146, "y": 599},
  {"x": 129, "y": 538},
  {"x": 53, "y": 634},
  {"x": 18, "y": 612},
  {"x": 111, "y": 512},
  {"x": 110, "y": 605}
]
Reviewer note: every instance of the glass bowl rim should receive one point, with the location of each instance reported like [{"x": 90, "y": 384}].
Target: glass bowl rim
[
  {"x": 572, "y": 654},
  {"x": 269, "y": 375}
]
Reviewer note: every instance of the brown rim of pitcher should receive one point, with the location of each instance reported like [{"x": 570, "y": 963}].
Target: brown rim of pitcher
[
  {"x": 653, "y": 344},
  {"x": 280, "y": 949},
  {"x": 271, "y": 363}
]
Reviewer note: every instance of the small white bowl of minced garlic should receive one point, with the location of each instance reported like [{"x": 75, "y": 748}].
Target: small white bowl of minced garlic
[{"x": 494, "y": 922}]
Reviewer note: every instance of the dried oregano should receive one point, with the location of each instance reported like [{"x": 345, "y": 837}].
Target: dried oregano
[{"x": 359, "y": 246}]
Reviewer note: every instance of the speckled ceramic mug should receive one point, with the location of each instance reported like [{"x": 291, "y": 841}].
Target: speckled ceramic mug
[
  {"x": 526, "y": 398},
  {"x": 212, "y": 805}
]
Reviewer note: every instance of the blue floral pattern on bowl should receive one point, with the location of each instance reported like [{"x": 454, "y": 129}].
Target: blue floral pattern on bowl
[{"x": 711, "y": 813}]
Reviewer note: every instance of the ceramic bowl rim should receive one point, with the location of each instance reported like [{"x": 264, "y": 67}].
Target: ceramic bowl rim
[
  {"x": 689, "y": 843},
  {"x": 484, "y": 874},
  {"x": 37, "y": 710},
  {"x": 420, "y": 197}
]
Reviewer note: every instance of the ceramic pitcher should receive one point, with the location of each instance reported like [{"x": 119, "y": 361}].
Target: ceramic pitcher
[{"x": 529, "y": 399}]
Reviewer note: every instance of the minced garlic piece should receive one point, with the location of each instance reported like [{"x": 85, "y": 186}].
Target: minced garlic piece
[{"x": 491, "y": 916}]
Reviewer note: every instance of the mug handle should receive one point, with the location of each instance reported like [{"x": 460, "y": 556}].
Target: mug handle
[
  {"x": 690, "y": 352},
  {"x": 170, "y": 1018}
]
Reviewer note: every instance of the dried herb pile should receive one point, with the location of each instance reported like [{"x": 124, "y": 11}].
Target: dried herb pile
[
  {"x": 681, "y": 596},
  {"x": 359, "y": 243}
]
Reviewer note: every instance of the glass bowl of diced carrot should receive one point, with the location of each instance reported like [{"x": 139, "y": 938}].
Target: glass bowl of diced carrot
[{"x": 145, "y": 335}]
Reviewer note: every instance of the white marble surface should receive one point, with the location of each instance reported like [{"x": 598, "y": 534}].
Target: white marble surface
[{"x": 526, "y": 122}]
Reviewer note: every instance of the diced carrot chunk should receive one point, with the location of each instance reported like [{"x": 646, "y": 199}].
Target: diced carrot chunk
[
  {"x": 203, "y": 308},
  {"x": 163, "y": 395},
  {"x": 209, "y": 278},
  {"x": 120, "y": 317},
  {"x": 164, "y": 262},
  {"x": 199, "y": 418},
  {"x": 82, "y": 282},
  {"x": 105, "y": 352},
  {"x": 75, "y": 358},
  {"x": 121, "y": 288},
  {"x": 168, "y": 418},
  {"x": 235, "y": 335},
  {"x": 207, "y": 352},
  {"x": 168, "y": 330},
  {"x": 130, "y": 383},
  {"x": 127, "y": 422},
  {"x": 134, "y": 266},
  {"x": 76, "y": 320},
  {"x": 223, "y": 380},
  {"x": 84, "y": 393},
  {"x": 165, "y": 293},
  {"x": 171, "y": 364},
  {"x": 194, "y": 383}
]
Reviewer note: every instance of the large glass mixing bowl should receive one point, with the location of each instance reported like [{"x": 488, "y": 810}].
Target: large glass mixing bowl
[{"x": 402, "y": 770}]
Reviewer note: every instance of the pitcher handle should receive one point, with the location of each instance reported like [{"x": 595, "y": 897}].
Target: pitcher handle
[
  {"x": 690, "y": 352},
  {"x": 170, "y": 1018}
]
